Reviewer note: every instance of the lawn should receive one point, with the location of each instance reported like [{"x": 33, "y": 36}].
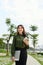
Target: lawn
[
  {"x": 5, "y": 60},
  {"x": 38, "y": 57}
]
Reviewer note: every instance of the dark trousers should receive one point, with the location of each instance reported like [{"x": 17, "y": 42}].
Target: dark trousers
[{"x": 23, "y": 57}]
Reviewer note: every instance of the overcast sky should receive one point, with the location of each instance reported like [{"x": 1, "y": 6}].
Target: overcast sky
[{"x": 26, "y": 12}]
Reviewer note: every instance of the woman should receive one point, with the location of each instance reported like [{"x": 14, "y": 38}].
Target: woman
[{"x": 20, "y": 43}]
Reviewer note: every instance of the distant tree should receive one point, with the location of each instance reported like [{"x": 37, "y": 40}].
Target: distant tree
[
  {"x": 11, "y": 29},
  {"x": 8, "y": 21},
  {"x": 33, "y": 28},
  {"x": 2, "y": 43},
  {"x": 34, "y": 39},
  {"x": 34, "y": 36}
]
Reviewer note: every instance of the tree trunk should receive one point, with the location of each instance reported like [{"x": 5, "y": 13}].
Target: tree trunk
[{"x": 7, "y": 48}]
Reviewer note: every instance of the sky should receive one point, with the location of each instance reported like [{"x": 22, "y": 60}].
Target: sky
[{"x": 25, "y": 12}]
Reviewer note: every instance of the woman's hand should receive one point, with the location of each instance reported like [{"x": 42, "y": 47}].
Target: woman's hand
[
  {"x": 13, "y": 59},
  {"x": 26, "y": 41}
]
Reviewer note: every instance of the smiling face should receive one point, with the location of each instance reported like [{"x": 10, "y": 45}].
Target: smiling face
[{"x": 20, "y": 29}]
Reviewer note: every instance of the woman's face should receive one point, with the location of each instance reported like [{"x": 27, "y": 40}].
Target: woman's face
[{"x": 20, "y": 29}]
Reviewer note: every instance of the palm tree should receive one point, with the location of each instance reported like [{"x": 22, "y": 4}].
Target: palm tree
[
  {"x": 11, "y": 28},
  {"x": 34, "y": 36}
]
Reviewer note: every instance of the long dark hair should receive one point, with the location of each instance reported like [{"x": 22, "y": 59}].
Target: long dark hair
[{"x": 24, "y": 33}]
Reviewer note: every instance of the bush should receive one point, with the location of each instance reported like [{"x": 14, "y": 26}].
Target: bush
[
  {"x": 2, "y": 50},
  {"x": 40, "y": 53}
]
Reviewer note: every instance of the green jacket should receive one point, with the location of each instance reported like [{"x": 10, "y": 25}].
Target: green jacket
[{"x": 18, "y": 42}]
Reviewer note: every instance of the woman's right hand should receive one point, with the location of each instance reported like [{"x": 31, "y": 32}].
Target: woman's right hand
[
  {"x": 13, "y": 59},
  {"x": 26, "y": 41}
]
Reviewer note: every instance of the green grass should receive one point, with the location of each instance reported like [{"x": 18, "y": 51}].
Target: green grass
[
  {"x": 38, "y": 58},
  {"x": 5, "y": 60}
]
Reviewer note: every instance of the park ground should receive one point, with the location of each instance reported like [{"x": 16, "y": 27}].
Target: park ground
[{"x": 32, "y": 59}]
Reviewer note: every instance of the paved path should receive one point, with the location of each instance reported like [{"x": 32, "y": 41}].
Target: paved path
[{"x": 31, "y": 61}]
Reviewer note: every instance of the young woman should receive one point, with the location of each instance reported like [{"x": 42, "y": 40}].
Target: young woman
[{"x": 20, "y": 43}]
